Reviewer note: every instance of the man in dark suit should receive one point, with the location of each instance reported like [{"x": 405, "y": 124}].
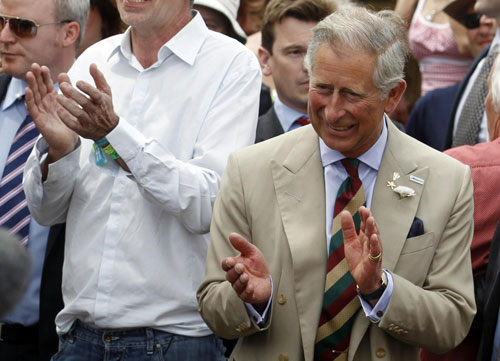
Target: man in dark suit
[
  {"x": 49, "y": 37},
  {"x": 467, "y": 123},
  {"x": 429, "y": 118},
  {"x": 286, "y": 34}
]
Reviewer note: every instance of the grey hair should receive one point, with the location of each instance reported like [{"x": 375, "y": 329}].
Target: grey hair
[
  {"x": 74, "y": 10},
  {"x": 495, "y": 82},
  {"x": 357, "y": 28}
]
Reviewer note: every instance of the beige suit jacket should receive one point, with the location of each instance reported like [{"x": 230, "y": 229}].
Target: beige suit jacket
[{"x": 273, "y": 194}]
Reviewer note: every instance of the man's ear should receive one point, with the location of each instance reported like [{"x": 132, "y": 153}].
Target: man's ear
[
  {"x": 70, "y": 33},
  {"x": 394, "y": 96},
  {"x": 264, "y": 60}
]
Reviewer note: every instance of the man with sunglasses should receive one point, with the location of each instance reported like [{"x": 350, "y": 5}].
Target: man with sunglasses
[
  {"x": 468, "y": 124},
  {"x": 131, "y": 157},
  {"x": 46, "y": 32}
]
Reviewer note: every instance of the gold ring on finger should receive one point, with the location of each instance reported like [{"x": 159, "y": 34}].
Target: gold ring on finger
[{"x": 375, "y": 258}]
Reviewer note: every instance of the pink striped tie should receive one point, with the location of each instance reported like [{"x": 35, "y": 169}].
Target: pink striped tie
[{"x": 14, "y": 213}]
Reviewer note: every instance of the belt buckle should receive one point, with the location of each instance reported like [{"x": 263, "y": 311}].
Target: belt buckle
[{"x": 1, "y": 324}]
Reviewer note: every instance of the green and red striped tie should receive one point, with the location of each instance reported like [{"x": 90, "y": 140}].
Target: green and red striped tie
[{"x": 340, "y": 301}]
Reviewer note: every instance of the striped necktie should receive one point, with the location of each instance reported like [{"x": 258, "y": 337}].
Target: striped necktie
[
  {"x": 340, "y": 301},
  {"x": 302, "y": 121},
  {"x": 14, "y": 213}
]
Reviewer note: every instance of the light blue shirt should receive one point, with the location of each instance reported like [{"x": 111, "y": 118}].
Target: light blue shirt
[
  {"x": 287, "y": 116},
  {"x": 496, "y": 341},
  {"x": 12, "y": 114},
  {"x": 335, "y": 174}
]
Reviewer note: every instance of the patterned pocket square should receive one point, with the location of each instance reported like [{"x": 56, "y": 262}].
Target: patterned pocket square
[{"x": 416, "y": 229}]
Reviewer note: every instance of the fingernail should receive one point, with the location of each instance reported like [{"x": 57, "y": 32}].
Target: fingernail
[{"x": 238, "y": 268}]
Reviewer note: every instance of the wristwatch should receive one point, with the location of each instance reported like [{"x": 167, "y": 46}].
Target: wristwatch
[{"x": 376, "y": 294}]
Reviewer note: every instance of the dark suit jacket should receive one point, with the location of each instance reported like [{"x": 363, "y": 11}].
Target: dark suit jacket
[
  {"x": 268, "y": 126},
  {"x": 50, "y": 293},
  {"x": 430, "y": 117},
  {"x": 458, "y": 97},
  {"x": 492, "y": 299}
]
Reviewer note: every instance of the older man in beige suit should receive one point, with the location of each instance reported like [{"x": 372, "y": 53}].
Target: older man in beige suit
[{"x": 312, "y": 274}]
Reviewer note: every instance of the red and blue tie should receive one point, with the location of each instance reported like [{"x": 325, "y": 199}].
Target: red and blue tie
[{"x": 340, "y": 301}]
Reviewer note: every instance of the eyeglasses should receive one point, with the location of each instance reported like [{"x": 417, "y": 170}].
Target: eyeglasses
[
  {"x": 23, "y": 28},
  {"x": 472, "y": 21}
]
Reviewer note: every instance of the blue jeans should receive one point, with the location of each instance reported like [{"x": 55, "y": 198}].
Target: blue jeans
[{"x": 85, "y": 343}]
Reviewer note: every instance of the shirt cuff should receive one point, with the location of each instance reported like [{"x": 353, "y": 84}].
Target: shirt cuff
[
  {"x": 378, "y": 311},
  {"x": 126, "y": 140},
  {"x": 62, "y": 168},
  {"x": 260, "y": 319}
]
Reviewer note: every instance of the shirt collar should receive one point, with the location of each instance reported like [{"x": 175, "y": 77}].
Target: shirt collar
[
  {"x": 372, "y": 157},
  {"x": 185, "y": 44},
  {"x": 286, "y": 115},
  {"x": 15, "y": 92}
]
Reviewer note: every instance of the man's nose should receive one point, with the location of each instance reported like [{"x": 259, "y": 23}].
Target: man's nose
[
  {"x": 335, "y": 107},
  {"x": 6, "y": 34}
]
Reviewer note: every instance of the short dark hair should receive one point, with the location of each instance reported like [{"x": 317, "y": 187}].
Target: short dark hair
[
  {"x": 303, "y": 10},
  {"x": 111, "y": 23}
]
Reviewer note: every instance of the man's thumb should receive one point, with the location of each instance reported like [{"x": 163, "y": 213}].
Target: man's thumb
[{"x": 241, "y": 244}]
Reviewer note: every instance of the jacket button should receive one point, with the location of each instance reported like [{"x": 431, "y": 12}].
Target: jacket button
[
  {"x": 282, "y": 299},
  {"x": 380, "y": 352},
  {"x": 283, "y": 357},
  {"x": 107, "y": 339}
]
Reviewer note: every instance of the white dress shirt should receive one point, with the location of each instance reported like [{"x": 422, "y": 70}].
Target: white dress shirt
[{"x": 136, "y": 242}]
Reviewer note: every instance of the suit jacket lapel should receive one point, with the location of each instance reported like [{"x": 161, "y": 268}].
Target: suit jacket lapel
[
  {"x": 393, "y": 215},
  {"x": 4, "y": 84},
  {"x": 300, "y": 193}
]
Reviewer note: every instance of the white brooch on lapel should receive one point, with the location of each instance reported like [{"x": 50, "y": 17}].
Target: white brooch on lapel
[{"x": 404, "y": 192}]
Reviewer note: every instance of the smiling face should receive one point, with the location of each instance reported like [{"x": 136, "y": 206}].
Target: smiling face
[
  {"x": 286, "y": 63},
  {"x": 344, "y": 105}
]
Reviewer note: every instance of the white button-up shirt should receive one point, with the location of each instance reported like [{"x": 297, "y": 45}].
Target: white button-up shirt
[{"x": 136, "y": 242}]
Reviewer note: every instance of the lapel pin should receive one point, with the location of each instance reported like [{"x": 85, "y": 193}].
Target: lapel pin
[
  {"x": 416, "y": 179},
  {"x": 404, "y": 192}
]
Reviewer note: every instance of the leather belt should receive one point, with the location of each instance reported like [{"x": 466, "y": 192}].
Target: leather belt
[{"x": 18, "y": 334}]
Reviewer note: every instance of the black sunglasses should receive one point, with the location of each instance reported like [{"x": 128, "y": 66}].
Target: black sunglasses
[
  {"x": 23, "y": 28},
  {"x": 472, "y": 21}
]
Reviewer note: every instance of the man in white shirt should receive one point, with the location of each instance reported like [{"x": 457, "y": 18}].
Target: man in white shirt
[
  {"x": 286, "y": 34},
  {"x": 133, "y": 164}
]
